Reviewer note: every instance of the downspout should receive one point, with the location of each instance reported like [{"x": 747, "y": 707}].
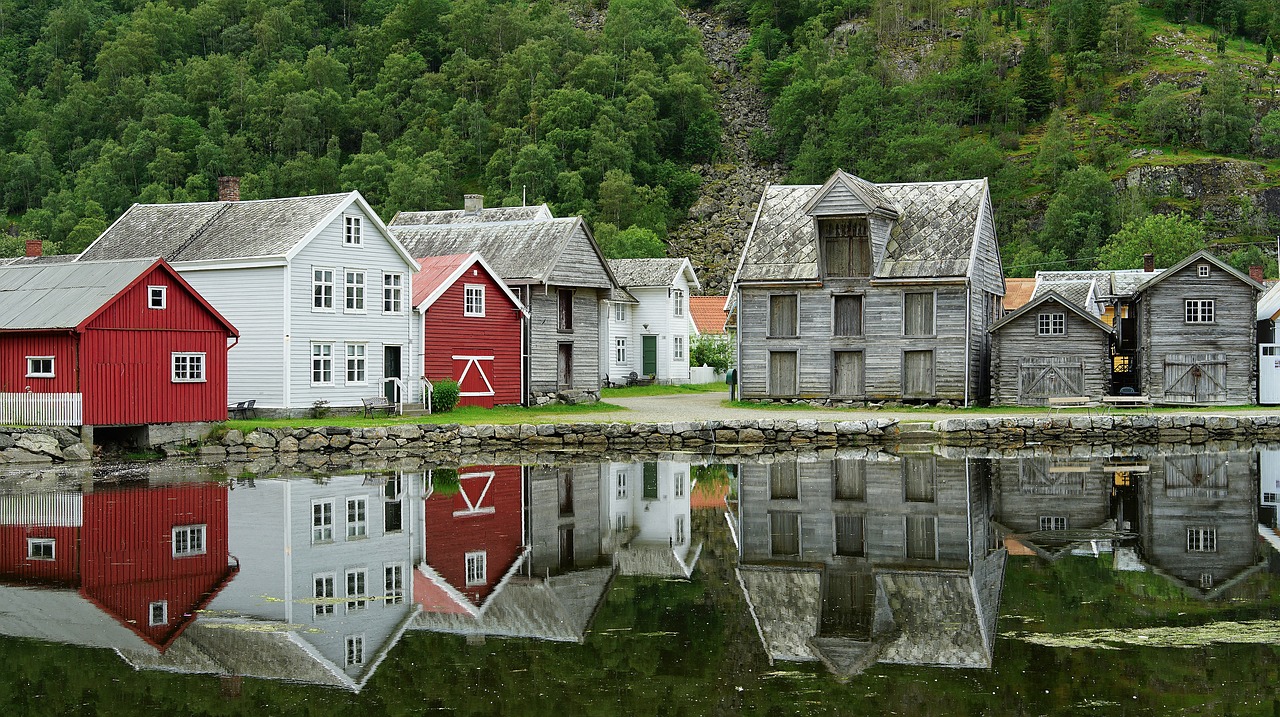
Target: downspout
[{"x": 968, "y": 338}]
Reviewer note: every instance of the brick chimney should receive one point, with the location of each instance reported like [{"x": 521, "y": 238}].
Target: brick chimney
[
  {"x": 228, "y": 189},
  {"x": 1148, "y": 262},
  {"x": 35, "y": 247},
  {"x": 1255, "y": 273},
  {"x": 472, "y": 203}
]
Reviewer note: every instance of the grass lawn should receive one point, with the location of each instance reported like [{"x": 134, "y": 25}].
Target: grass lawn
[
  {"x": 470, "y": 415},
  {"x": 663, "y": 390}
]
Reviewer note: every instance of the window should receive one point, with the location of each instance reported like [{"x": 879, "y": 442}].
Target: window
[
  {"x": 619, "y": 312},
  {"x": 39, "y": 367},
  {"x": 322, "y": 364},
  {"x": 677, "y": 302},
  {"x": 392, "y": 293},
  {"x": 622, "y": 485},
  {"x": 357, "y": 517},
  {"x": 849, "y": 535},
  {"x": 188, "y": 540},
  {"x": 784, "y": 533},
  {"x": 679, "y": 530},
  {"x": 355, "y": 291},
  {"x": 1268, "y": 497},
  {"x": 679, "y": 485},
  {"x": 324, "y": 593},
  {"x": 846, "y": 248},
  {"x": 1202, "y": 270},
  {"x": 1199, "y": 311},
  {"x": 351, "y": 234},
  {"x": 40, "y": 548},
  {"x": 355, "y": 363},
  {"x": 393, "y": 584},
  {"x": 188, "y": 367},
  {"x": 620, "y": 350},
  {"x": 1206, "y": 581},
  {"x": 917, "y": 314},
  {"x": 356, "y": 590},
  {"x": 322, "y": 289},
  {"x": 621, "y": 523},
  {"x": 848, "y": 315},
  {"x": 156, "y": 296},
  {"x": 783, "y": 312},
  {"x": 477, "y": 573},
  {"x": 1054, "y": 324},
  {"x": 322, "y": 521},
  {"x": 1053, "y": 522},
  {"x": 158, "y": 613},
  {"x": 474, "y": 303},
  {"x": 1202, "y": 540},
  {"x": 784, "y": 481},
  {"x": 677, "y": 348},
  {"x": 918, "y": 479},
  {"x": 564, "y": 298},
  {"x": 355, "y": 650}
]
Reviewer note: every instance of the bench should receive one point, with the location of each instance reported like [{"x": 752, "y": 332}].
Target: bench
[
  {"x": 1128, "y": 400},
  {"x": 242, "y": 409},
  {"x": 1057, "y": 403},
  {"x": 373, "y": 404},
  {"x": 636, "y": 379}
]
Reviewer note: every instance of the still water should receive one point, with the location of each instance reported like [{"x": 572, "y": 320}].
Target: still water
[{"x": 837, "y": 583}]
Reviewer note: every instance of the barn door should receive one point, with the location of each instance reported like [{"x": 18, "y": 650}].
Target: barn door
[
  {"x": 846, "y": 373},
  {"x": 564, "y": 366},
  {"x": 917, "y": 374},
  {"x": 1042, "y": 378},
  {"x": 474, "y": 375},
  {"x": 1195, "y": 378},
  {"x": 782, "y": 373}
]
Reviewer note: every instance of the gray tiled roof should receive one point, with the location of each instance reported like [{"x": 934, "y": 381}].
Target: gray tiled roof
[
  {"x": 1078, "y": 292},
  {"x": 30, "y": 260},
  {"x": 454, "y": 217},
  {"x": 516, "y": 250},
  {"x": 213, "y": 230},
  {"x": 558, "y": 608},
  {"x": 646, "y": 272},
  {"x": 60, "y": 295},
  {"x": 1108, "y": 283}
]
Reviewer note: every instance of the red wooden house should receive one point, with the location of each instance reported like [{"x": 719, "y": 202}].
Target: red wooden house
[
  {"x": 472, "y": 329},
  {"x": 116, "y": 561},
  {"x": 109, "y": 343}
]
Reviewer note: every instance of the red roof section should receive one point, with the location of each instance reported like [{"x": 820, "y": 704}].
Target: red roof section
[
  {"x": 435, "y": 271},
  {"x": 1017, "y": 292},
  {"x": 708, "y": 313}
]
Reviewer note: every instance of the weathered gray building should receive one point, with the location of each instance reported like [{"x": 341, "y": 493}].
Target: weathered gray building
[{"x": 1049, "y": 347}]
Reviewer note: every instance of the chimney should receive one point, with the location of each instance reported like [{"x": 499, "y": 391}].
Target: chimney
[
  {"x": 228, "y": 189},
  {"x": 35, "y": 247},
  {"x": 1148, "y": 262},
  {"x": 1255, "y": 273},
  {"x": 472, "y": 203}
]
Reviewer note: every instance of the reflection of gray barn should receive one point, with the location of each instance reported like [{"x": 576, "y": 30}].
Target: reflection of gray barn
[
  {"x": 1042, "y": 494},
  {"x": 1049, "y": 347},
  {"x": 853, "y": 562},
  {"x": 565, "y": 525}
]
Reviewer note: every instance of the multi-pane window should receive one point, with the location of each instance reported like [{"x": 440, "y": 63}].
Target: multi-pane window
[
  {"x": 679, "y": 530},
  {"x": 356, "y": 363},
  {"x": 679, "y": 485},
  {"x": 1202, "y": 271},
  {"x": 39, "y": 367},
  {"x": 322, "y": 521},
  {"x": 393, "y": 584},
  {"x": 322, "y": 363},
  {"x": 354, "y": 288},
  {"x": 324, "y": 593},
  {"x": 477, "y": 573},
  {"x": 620, "y": 350},
  {"x": 619, "y": 312},
  {"x": 157, "y": 297},
  {"x": 1199, "y": 311},
  {"x": 158, "y": 613},
  {"x": 357, "y": 586},
  {"x": 1052, "y": 324},
  {"x": 917, "y": 314},
  {"x": 564, "y": 299},
  {"x": 677, "y": 347},
  {"x": 357, "y": 517},
  {"x": 1269, "y": 497},
  {"x": 40, "y": 548},
  {"x": 473, "y": 303},
  {"x": 188, "y": 540},
  {"x": 622, "y": 523},
  {"x": 392, "y": 293},
  {"x": 355, "y": 650},
  {"x": 1053, "y": 522},
  {"x": 352, "y": 231},
  {"x": 784, "y": 315},
  {"x": 322, "y": 289},
  {"x": 1202, "y": 539},
  {"x": 846, "y": 247},
  {"x": 848, "y": 315},
  {"x": 188, "y": 367},
  {"x": 622, "y": 485},
  {"x": 677, "y": 302}
]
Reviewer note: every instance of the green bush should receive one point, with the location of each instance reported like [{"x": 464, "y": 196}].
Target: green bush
[
  {"x": 445, "y": 395},
  {"x": 711, "y": 350}
]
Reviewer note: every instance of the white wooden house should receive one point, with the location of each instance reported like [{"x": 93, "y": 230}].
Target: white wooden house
[
  {"x": 318, "y": 287},
  {"x": 651, "y": 336}
]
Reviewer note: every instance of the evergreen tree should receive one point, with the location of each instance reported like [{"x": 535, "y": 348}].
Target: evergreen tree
[
  {"x": 1057, "y": 150},
  {"x": 1035, "y": 86},
  {"x": 1271, "y": 50},
  {"x": 1225, "y": 118}
]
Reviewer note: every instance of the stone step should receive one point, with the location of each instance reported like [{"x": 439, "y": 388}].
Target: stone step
[{"x": 917, "y": 432}]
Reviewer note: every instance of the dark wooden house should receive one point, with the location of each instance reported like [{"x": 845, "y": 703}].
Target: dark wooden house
[
  {"x": 859, "y": 291},
  {"x": 1050, "y": 347}
]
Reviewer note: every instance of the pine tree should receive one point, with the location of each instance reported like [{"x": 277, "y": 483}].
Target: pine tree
[
  {"x": 1225, "y": 117},
  {"x": 1271, "y": 50},
  {"x": 1035, "y": 86}
]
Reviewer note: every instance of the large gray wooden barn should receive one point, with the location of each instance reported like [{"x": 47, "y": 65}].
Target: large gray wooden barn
[
  {"x": 860, "y": 291},
  {"x": 1051, "y": 346}
]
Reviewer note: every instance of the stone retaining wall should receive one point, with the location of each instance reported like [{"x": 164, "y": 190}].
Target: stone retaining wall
[{"x": 41, "y": 445}]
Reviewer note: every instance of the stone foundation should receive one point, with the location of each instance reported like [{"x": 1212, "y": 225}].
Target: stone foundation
[
  {"x": 25, "y": 446},
  {"x": 570, "y": 398}
]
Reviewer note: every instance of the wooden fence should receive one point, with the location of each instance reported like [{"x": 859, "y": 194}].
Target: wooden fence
[{"x": 41, "y": 409}]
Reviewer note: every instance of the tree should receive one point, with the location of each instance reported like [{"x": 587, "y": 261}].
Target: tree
[
  {"x": 1121, "y": 36},
  {"x": 1057, "y": 150},
  {"x": 1162, "y": 116},
  {"x": 1081, "y": 215},
  {"x": 1170, "y": 237},
  {"x": 1270, "y": 137},
  {"x": 631, "y": 243},
  {"x": 1225, "y": 118},
  {"x": 1035, "y": 86}
]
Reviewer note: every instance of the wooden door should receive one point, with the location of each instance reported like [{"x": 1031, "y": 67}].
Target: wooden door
[
  {"x": 564, "y": 366},
  {"x": 846, "y": 373},
  {"x": 1042, "y": 378},
  {"x": 782, "y": 373},
  {"x": 649, "y": 355},
  {"x": 1195, "y": 378},
  {"x": 917, "y": 374},
  {"x": 474, "y": 375}
]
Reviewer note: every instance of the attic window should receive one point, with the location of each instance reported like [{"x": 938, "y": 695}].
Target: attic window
[
  {"x": 846, "y": 248},
  {"x": 351, "y": 232},
  {"x": 1052, "y": 324},
  {"x": 1203, "y": 270},
  {"x": 156, "y": 296}
]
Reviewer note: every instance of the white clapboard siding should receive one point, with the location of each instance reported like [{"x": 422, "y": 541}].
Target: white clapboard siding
[{"x": 41, "y": 409}]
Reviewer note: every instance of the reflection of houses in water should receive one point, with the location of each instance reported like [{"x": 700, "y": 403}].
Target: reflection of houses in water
[
  {"x": 324, "y": 590},
  {"x": 118, "y": 568},
  {"x": 648, "y": 514},
  {"x": 1269, "y": 488},
  {"x": 1053, "y": 506},
  {"x": 853, "y": 562}
]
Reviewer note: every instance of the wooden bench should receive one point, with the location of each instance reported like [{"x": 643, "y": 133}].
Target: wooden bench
[
  {"x": 1130, "y": 400},
  {"x": 1057, "y": 403},
  {"x": 242, "y": 409},
  {"x": 373, "y": 404}
]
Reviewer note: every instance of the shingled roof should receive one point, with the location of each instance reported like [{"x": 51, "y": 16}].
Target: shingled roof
[
  {"x": 61, "y": 295},
  {"x": 708, "y": 314},
  {"x": 633, "y": 273},
  {"x": 456, "y": 217}
]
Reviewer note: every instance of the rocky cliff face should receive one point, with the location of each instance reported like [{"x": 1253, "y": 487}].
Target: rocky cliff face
[{"x": 1231, "y": 196}]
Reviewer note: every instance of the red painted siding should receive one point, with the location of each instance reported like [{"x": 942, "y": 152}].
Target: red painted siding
[
  {"x": 448, "y": 333},
  {"x": 128, "y": 377},
  {"x": 452, "y": 531},
  {"x": 182, "y": 312},
  {"x": 64, "y": 569},
  {"x": 16, "y": 347}
]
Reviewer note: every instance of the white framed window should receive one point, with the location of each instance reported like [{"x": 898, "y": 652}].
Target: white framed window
[
  {"x": 321, "y": 364},
  {"x": 619, "y": 312},
  {"x": 324, "y": 592},
  {"x": 1052, "y": 324},
  {"x": 1202, "y": 539},
  {"x": 622, "y": 523},
  {"x": 356, "y": 363},
  {"x": 393, "y": 293},
  {"x": 357, "y": 586},
  {"x": 322, "y": 289},
  {"x": 620, "y": 350},
  {"x": 355, "y": 650},
  {"x": 357, "y": 517},
  {"x": 477, "y": 570},
  {"x": 1202, "y": 270},
  {"x": 188, "y": 367},
  {"x": 188, "y": 540},
  {"x": 393, "y": 584},
  {"x": 40, "y": 367},
  {"x": 679, "y": 530},
  {"x": 474, "y": 302},
  {"x": 322, "y": 521},
  {"x": 41, "y": 548},
  {"x": 677, "y": 302},
  {"x": 354, "y": 292},
  {"x": 679, "y": 491},
  {"x": 157, "y": 297},
  {"x": 677, "y": 347},
  {"x": 1269, "y": 497},
  {"x": 158, "y": 613},
  {"x": 1200, "y": 311},
  {"x": 622, "y": 485},
  {"x": 1053, "y": 522},
  {"x": 352, "y": 231}
]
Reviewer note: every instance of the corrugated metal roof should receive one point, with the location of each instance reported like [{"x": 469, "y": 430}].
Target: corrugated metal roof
[
  {"x": 516, "y": 250},
  {"x": 456, "y": 217},
  {"x": 61, "y": 295},
  {"x": 435, "y": 271},
  {"x": 646, "y": 272}
]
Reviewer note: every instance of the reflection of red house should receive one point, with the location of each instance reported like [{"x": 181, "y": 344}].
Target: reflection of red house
[
  {"x": 472, "y": 328},
  {"x": 147, "y": 558},
  {"x": 472, "y": 539}
]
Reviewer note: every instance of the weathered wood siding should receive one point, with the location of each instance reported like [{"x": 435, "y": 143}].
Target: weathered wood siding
[
  {"x": 552, "y": 489},
  {"x": 839, "y": 201},
  {"x": 1030, "y": 488},
  {"x": 1018, "y": 340},
  {"x": 545, "y": 338},
  {"x": 579, "y": 264},
  {"x": 1165, "y": 331}
]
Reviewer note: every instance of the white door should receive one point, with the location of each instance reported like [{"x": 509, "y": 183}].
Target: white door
[{"x": 1269, "y": 374}]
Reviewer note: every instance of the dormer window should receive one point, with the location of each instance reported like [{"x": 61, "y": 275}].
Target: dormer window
[{"x": 846, "y": 246}]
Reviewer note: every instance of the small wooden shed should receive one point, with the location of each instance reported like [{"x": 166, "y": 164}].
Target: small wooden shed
[{"x": 1050, "y": 347}]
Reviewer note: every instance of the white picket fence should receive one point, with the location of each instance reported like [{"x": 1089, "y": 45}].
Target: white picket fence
[{"x": 41, "y": 409}]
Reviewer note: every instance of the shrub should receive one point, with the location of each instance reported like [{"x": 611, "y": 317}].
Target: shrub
[
  {"x": 711, "y": 350},
  {"x": 444, "y": 481},
  {"x": 445, "y": 395}
]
